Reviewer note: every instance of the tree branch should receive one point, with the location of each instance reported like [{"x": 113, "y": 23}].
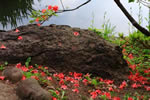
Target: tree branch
[
  {"x": 61, "y": 11},
  {"x": 131, "y": 19}
]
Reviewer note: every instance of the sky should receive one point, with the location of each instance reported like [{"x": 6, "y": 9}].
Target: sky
[{"x": 92, "y": 11}]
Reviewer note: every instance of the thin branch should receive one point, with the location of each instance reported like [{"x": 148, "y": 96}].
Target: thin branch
[
  {"x": 131, "y": 19},
  {"x": 61, "y": 11},
  {"x": 62, "y": 4},
  {"x": 144, "y": 3}
]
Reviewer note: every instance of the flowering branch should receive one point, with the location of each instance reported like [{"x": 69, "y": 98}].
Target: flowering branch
[{"x": 61, "y": 11}]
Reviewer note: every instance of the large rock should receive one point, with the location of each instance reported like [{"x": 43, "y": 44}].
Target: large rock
[
  {"x": 13, "y": 74},
  {"x": 30, "y": 89},
  {"x": 58, "y": 47},
  {"x": 7, "y": 92}
]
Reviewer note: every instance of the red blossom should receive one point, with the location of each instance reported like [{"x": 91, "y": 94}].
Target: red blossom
[
  {"x": 53, "y": 98},
  {"x": 116, "y": 98},
  {"x": 61, "y": 82},
  {"x": 133, "y": 67},
  {"x": 124, "y": 84},
  {"x": 38, "y": 24},
  {"x": 3, "y": 47},
  {"x": 87, "y": 75},
  {"x": 93, "y": 95},
  {"x": 49, "y": 7},
  {"x": 61, "y": 75},
  {"x": 70, "y": 73},
  {"x": 39, "y": 67},
  {"x": 108, "y": 82},
  {"x": 17, "y": 30},
  {"x": 128, "y": 62},
  {"x": 37, "y": 19},
  {"x": 110, "y": 89},
  {"x": 20, "y": 38},
  {"x": 77, "y": 75},
  {"x": 75, "y": 90},
  {"x": 34, "y": 71},
  {"x": 85, "y": 81},
  {"x": 68, "y": 78},
  {"x": 25, "y": 69},
  {"x": 2, "y": 77},
  {"x": 76, "y": 33},
  {"x": 130, "y": 56},
  {"x": 76, "y": 85},
  {"x": 55, "y": 8},
  {"x": 64, "y": 87},
  {"x": 136, "y": 77},
  {"x": 98, "y": 91},
  {"x": 49, "y": 78},
  {"x": 30, "y": 67},
  {"x": 57, "y": 92},
  {"x": 55, "y": 75},
  {"x": 43, "y": 74},
  {"x": 124, "y": 46},
  {"x": 18, "y": 65},
  {"x": 107, "y": 94},
  {"x": 43, "y": 10},
  {"x": 101, "y": 80},
  {"x": 46, "y": 68},
  {"x": 147, "y": 88},
  {"x": 124, "y": 50},
  {"x": 135, "y": 85},
  {"x": 130, "y": 98},
  {"x": 35, "y": 77},
  {"x": 23, "y": 77}
]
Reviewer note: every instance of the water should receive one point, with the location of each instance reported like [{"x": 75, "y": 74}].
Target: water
[{"x": 15, "y": 13}]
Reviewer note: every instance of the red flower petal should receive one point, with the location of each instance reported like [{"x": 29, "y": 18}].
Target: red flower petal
[
  {"x": 76, "y": 33},
  {"x": 17, "y": 30},
  {"x": 3, "y": 47},
  {"x": 20, "y": 38},
  {"x": 49, "y": 7},
  {"x": 55, "y": 8},
  {"x": 2, "y": 77}
]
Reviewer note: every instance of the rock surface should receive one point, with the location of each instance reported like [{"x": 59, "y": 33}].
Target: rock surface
[
  {"x": 56, "y": 46},
  {"x": 7, "y": 92},
  {"x": 13, "y": 74},
  {"x": 30, "y": 89}
]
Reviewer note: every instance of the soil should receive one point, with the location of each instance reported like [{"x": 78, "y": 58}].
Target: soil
[{"x": 8, "y": 89}]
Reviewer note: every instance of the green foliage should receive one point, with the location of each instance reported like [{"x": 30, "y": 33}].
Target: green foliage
[
  {"x": 40, "y": 17},
  {"x": 94, "y": 82},
  {"x": 107, "y": 31},
  {"x": 139, "y": 38},
  {"x": 2, "y": 66},
  {"x": 131, "y": 1},
  {"x": 28, "y": 61}
]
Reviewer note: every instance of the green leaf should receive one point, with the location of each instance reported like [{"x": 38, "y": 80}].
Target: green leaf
[
  {"x": 131, "y": 1},
  {"x": 28, "y": 61},
  {"x": 94, "y": 82},
  {"x": 31, "y": 21},
  {"x": 6, "y": 63}
]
